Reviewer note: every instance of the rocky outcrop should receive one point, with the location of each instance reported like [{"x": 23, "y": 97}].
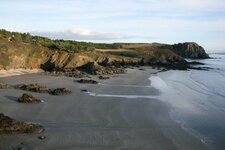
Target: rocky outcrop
[
  {"x": 28, "y": 98},
  {"x": 95, "y": 69},
  {"x": 4, "y": 86},
  {"x": 190, "y": 50},
  {"x": 68, "y": 72},
  {"x": 84, "y": 81},
  {"x": 41, "y": 89},
  {"x": 104, "y": 62},
  {"x": 33, "y": 88},
  {"x": 11, "y": 126},
  {"x": 60, "y": 91}
]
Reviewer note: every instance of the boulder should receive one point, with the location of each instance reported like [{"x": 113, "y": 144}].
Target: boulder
[
  {"x": 84, "y": 81},
  {"x": 11, "y": 126},
  {"x": 28, "y": 98},
  {"x": 4, "y": 86},
  {"x": 103, "y": 78},
  {"x": 84, "y": 90},
  {"x": 60, "y": 91}
]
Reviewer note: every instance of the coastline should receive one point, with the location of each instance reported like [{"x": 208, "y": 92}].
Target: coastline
[{"x": 81, "y": 121}]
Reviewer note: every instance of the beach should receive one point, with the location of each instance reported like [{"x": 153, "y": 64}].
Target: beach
[
  {"x": 124, "y": 112},
  {"x": 16, "y": 72}
]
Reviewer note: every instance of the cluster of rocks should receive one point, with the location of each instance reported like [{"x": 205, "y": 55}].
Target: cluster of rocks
[
  {"x": 42, "y": 89},
  {"x": 33, "y": 88},
  {"x": 4, "y": 86},
  {"x": 95, "y": 69},
  {"x": 68, "y": 72},
  {"x": 11, "y": 126},
  {"x": 60, "y": 91},
  {"x": 28, "y": 98},
  {"x": 85, "y": 81}
]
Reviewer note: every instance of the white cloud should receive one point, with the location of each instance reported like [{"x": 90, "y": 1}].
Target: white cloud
[{"x": 81, "y": 34}]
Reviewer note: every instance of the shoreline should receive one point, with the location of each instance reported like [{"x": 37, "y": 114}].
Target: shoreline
[
  {"x": 85, "y": 121},
  {"x": 19, "y": 71}
]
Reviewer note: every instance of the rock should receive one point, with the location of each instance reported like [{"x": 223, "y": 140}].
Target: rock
[
  {"x": 84, "y": 90},
  {"x": 33, "y": 87},
  {"x": 195, "y": 63},
  {"x": 11, "y": 126},
  {"x": 42, "y": 137},
  {"x": 190, "y": 50},
  {"x": 60, "y": 91},
  {"x": 4, "y": 86},
  {"x": 28, "y": 98},
  {"x": 20, "y": 148},
  {"x": 92, "y": 68},
  {"x": 95, "y": 69},
  {"x": 41, "y": 89},
  {"x": 84, "y": 81},
  {"x": 102, "y": 77}
]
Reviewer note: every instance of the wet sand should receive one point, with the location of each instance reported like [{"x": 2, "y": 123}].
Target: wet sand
[{"x": 81, "y": 121}]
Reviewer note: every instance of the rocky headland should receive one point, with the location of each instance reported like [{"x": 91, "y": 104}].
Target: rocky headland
[
  {"x": 11, "y": 126},
  {"x": 78, "y": 59}
]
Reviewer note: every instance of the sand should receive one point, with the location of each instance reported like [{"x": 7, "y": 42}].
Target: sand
[
  {"x": 83, "y": 121},
  {"x": 15, "y": 72}
]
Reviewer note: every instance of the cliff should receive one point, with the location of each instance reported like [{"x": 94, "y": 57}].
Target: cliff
[
  {"x": 190, "y": 50},
  {"x": 25, "y": 51},
  {"x": 22, "y": 55}
]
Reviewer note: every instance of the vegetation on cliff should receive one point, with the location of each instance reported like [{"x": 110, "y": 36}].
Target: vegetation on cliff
[{"x": 67, "y": 45}]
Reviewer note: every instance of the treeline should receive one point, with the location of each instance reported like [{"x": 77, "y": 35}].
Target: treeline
[{"x": 68, "y": 45}]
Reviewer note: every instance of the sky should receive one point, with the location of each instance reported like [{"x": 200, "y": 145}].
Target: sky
[{"x": 138, "y": 21}]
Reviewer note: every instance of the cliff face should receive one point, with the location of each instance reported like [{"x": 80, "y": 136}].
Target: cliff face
[
  {"x": 25, "y": 55},
  {"x": 190, "y": 50},
  {"x": 21, "y": 55}
]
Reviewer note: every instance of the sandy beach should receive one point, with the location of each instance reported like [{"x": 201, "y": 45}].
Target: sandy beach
[
  {"x": 97, "y": 121},
  {"x": 16, "y": 72}
]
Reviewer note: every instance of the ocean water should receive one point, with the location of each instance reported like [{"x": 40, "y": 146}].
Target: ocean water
[{"x": 197, "y": 99}]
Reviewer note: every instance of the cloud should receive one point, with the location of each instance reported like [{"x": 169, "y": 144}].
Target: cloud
[{"x": 81, "y": 34}]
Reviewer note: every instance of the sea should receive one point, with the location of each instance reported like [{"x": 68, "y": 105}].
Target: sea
[{"x": 197, "y": 99}]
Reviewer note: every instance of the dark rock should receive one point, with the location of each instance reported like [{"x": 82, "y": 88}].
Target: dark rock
[
  {"x": 190, "y": 50},
  {"x": 4, "y": 86},
  {"x": 28, "y": 98},
  {"x": 195, "y": 63},
  {"x": 95, "y": 69},
  {"x": 42, "y": 137},
  {"x": 60, "y": 91},
  {"x": 104, "y": 78},
  {"x": 11, "y": 126},
  {"x": 200, "y": 68},
  {"x": 84, "y": 90},
  {"x": 84, "y": 81},
  {"x": 33, "y": 88}
]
